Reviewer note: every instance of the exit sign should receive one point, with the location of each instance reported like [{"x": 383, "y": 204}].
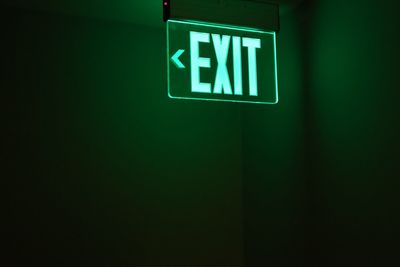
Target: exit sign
[{"x": 221, "y": 63}]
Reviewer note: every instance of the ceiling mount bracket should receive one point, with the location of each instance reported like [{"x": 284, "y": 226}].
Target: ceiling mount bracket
[{"x": 252, "y": 14}]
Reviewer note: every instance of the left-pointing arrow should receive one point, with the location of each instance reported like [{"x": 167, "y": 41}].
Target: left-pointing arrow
[{"x": 175, "y": 59}]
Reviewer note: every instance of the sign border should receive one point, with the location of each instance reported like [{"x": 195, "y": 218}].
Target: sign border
[{"x": 229, "y": 27}]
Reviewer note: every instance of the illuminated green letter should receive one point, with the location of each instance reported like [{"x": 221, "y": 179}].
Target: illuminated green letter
[
  {"x": 237, "y": 65},
  {"x": 198, "y": 62},
  {"x": 221, "y": 47},
  {"x": 252, "y": 44}
]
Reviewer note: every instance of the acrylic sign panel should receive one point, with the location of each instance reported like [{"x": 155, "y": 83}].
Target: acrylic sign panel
[{"x": 221, "y": 63}]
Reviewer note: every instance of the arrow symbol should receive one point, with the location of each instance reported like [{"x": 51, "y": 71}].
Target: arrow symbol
[{"x": 175, "y": 59}]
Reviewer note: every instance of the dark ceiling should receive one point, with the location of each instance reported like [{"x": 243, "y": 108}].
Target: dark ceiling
[{"x": 142, "y": 12}]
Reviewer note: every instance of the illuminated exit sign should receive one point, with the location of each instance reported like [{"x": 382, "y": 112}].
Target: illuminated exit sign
[{"x": 221, "y": 63}]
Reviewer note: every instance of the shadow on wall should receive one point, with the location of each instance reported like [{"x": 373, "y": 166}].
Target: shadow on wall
[
  {"x": 321, "y": 174},
  {"x": 103, "y": 168},
  {"x": 354, "y": 58}
]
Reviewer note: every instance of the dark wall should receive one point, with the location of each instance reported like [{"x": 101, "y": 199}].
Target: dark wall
[
  {"x": 102, "y": 168},
  {"x": 321, "y": 184},
  {"x": 355, "y": 90},
  {"x": 273, "y": 156}
]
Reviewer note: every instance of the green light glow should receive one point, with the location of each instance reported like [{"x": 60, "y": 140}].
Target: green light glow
[{"x": 222, "y": 62}]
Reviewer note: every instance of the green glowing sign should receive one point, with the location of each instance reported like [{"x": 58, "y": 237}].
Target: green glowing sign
[{"x": 221, "y": 63}]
